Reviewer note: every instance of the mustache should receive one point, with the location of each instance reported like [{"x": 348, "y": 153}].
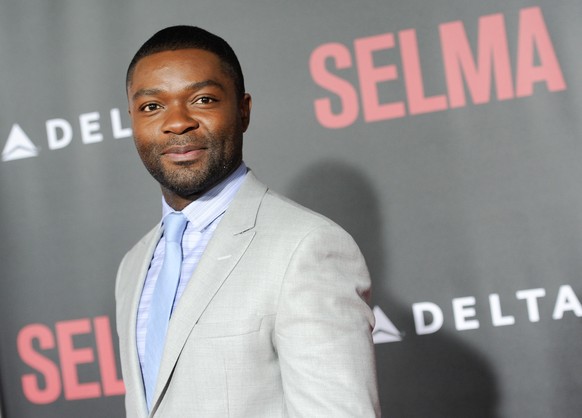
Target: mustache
[
  {"x": 180, "y": 140},
  {"x": 183, "y": 141}
]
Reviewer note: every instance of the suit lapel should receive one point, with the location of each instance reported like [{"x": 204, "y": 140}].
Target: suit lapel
[
  {"x": 143, "y": 260},
  {"x": 226, "y": 247}
]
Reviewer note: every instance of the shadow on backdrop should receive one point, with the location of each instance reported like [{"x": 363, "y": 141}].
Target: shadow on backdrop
[{"x": 428, "y": 376}]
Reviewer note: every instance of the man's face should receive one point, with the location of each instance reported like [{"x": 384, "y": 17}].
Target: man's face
[{"x": 187, "y": 121}]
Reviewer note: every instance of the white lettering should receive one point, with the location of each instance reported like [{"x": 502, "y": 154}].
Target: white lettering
[
  {"x": 89, "y": 128},
  {"x": 566, "y": 301},
  {"x": 428, "y": 316},
  {"x": 531, "y": 297},
  {"x": 118, "y": 130},
  {"x": 419, "y": 309},
  {"x": 52, "y": 127},
  {"x": 496, "y": 315},
  {"x": 462, "y": 310}
]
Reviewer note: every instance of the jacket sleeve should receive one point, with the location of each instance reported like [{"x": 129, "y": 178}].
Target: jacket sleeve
[{"x": 323, "y": 329}]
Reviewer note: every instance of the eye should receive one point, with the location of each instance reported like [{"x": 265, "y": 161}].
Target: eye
[
  {"x": 150, "y": 107},
  {"x": 205, "y": 100}
]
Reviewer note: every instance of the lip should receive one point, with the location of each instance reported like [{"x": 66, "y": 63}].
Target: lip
[{"x": 183, "y": 152}]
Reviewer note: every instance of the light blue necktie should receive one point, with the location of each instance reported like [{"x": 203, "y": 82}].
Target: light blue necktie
[{"x": 163, "y": 301}]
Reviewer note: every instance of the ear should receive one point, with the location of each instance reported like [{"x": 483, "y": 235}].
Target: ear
[{"x": 246, "y": 104}]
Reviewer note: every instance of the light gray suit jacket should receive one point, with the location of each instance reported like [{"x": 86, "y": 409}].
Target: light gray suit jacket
[{"x": 273, "y": 323}]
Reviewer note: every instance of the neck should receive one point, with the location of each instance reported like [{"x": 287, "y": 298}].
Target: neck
[{"x": 179, "y": 202}]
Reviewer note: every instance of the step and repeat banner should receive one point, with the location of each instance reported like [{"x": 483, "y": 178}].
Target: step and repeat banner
[{"x": 445, "y": 136}]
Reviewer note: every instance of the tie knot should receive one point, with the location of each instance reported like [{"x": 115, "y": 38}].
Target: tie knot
[{"x": 174, "y": 226}]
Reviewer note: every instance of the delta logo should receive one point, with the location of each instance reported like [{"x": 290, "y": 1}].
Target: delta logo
[
  {"x": 469, "y": 313},
  {"x": 59, "y": 134}
]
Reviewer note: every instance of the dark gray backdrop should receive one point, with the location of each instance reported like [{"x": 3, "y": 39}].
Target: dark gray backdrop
[{"x": 472, "y": 213}]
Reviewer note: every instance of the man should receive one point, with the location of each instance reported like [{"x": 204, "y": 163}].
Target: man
[{"x": 268, "y": 312}]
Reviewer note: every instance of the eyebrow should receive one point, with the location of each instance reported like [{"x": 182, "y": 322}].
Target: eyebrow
[{"x": 191, "y": 87}]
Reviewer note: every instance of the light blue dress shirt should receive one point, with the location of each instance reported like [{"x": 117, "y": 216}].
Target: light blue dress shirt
[{"x": 203, "y": 215}]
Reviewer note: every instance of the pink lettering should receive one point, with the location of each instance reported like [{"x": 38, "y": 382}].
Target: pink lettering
[
  {"x": 112, "y": 385},
  {"x": 482, "y": 71},
  {"x": 31, "y": 386},
  {"x": 493, "y": 56},
  {"x": 346, "y": 92},
  {"x": 71, "y": 357},
  {"x": 417, "y": 101},
  {"x": 370, "y": 76},
  {"x": 533, "y": 35}
]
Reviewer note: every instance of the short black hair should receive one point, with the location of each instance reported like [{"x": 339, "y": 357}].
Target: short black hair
[{"x": 191, "y": 37}]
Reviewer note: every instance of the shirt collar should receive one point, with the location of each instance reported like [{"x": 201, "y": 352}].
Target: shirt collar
[{"x": 204, "y": 210}]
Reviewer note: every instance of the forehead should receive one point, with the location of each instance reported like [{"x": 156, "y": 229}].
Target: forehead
[{"x": 189, "y": 65}]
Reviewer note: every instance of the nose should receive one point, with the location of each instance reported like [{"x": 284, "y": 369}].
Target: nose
[{"x": 179, "y": 121}]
